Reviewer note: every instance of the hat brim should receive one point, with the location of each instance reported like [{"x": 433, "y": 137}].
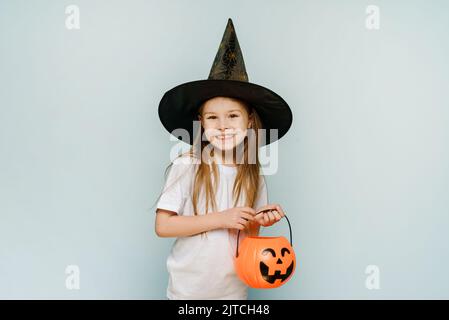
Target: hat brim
[{"x": 178, "y": 107}]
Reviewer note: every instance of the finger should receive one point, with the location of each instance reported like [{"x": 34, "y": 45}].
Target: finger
[
  {"x": 247, "y": 216},
  {"x": 263, "y": 213},
  {"x": 259, "y": 216},
  {"x": 245, "y": 225},
  {"x": 267, "y": 207},
  {"x": 249, "y": 210},
  {"x": 243, "y": 222},
  {"x": 266, "y": 219},
  {"x": 277, "y": 215},
  {"x": 280, "y": 210},
  {"x": 271, "y": 216}
]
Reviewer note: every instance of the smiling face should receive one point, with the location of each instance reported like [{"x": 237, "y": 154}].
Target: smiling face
[
  {"x": 225, "y": 122},
  {"x": 276, "y": 264},
  {"x": 265, "y": 262}
]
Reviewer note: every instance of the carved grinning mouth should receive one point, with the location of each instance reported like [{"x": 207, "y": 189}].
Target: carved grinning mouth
[{"x": 277, "y": 274}]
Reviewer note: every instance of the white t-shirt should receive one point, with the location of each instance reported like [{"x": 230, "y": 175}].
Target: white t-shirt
[{"x": 202, "y": 267}]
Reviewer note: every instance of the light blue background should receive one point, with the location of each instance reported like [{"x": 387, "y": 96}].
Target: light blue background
[{"x": 363, "y": 173}]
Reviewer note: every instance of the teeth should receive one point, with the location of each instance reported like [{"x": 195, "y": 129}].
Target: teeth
[{"x": 225, "y": 137}]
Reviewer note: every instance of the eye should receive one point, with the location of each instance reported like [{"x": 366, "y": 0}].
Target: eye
[
  {"x": 211, "y": 117},
  {"x": 234, "y": 115},
  {"x": 284, "y": 250},
  {"x": 267, "y": 251}
]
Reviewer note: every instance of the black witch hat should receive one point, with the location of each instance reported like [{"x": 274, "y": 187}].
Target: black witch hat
[{"x": 179, "y": 106}]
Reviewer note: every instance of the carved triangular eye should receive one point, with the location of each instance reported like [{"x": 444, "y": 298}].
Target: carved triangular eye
[
  {"x": 284, "y": 250},
  {"x": 269, "y": 250}
]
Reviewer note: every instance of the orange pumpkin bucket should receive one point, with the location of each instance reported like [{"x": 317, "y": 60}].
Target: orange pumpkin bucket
[{"x": 265, "y": 262}]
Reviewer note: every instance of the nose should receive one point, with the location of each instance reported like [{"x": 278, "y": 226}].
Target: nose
[{"x": 223, "y": 124}]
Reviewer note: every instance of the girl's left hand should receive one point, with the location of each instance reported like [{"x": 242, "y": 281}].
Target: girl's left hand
[{"x": 267, "y": 218}]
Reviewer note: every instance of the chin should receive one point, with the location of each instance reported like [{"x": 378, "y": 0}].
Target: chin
[
  {"x": 224, "y": 148},
  {"x": 228, "y": 145}
]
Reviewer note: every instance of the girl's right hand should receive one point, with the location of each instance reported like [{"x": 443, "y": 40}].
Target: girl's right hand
[{"x": 236, "y": 218}]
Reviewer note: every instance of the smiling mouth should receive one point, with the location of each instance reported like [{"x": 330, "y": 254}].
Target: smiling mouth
[
  {"x": 225, "y": 137},
  {"x": 277, "y": 274}
]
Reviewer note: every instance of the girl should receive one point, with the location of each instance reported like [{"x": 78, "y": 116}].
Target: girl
[{"x": 215, "y": 189}]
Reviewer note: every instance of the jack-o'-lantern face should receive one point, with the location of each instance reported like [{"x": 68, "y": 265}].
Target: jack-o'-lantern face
[
  {"x": 265, "y": 262},
  {"x": 276, "y": 264}
]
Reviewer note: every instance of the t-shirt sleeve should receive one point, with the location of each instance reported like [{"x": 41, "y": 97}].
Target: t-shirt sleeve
[
  {"x": 262, "y": 197},
  {"x": 173, "y": 195}
]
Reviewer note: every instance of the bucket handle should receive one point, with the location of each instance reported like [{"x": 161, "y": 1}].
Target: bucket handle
[{"x": 289, "y": 227}]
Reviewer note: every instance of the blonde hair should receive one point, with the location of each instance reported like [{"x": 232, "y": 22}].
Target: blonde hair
[{"x": 248, "y": 176}]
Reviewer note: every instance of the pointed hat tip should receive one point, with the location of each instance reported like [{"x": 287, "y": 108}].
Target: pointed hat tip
[
  {"x": 230, "y": 23},
  {"x": 228, "y": 63}
]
